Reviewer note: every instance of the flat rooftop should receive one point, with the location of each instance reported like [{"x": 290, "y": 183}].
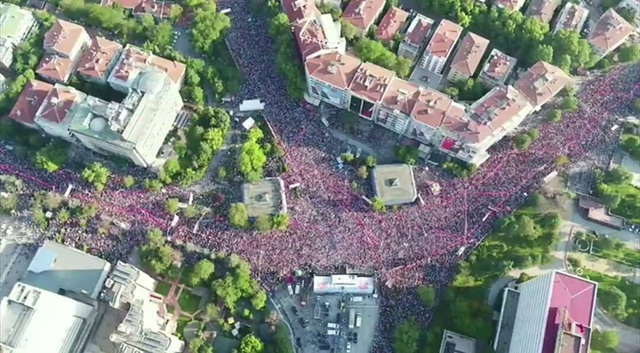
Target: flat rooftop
[
  {"x": 456, "y": 343},
  {"x": 394, "y": 183},
  {"x": 507, "y": 319}
]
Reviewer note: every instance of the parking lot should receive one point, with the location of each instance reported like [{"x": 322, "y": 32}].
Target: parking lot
[{"x": 326, "y": 323}]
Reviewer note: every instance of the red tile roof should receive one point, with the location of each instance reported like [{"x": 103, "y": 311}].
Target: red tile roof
[
  {"x": 498, "y": 65},
  {"x": 444, "y": 39},
  {"x": 542, "y": 10},
  {"x": 574, "y": 17},
  {"x": 610, "y": 31},
  {"x": 541, "y": 83},
  {"x": 362, "y": 13},
  {"x": 571, "y": 304},
  {"x": 125, "y": 4},
  {"x": 418, "y": 30},
  {"x": 297, "y": 10},
  {"x": 401, "y": 95},
  {"x": 134, "y": 59},
  {"x": 62, "y": 37},
  {"x": 431, "y": 107},
  {"x": 371, "y": 81},
  {"x": 512, "y": 5},
  {"x": 96, "y": 59},
  {"x": 333, "y": 68},
  {"x": 30, "y": 100},
  {"x": 391, "y": 23},
  {"x": 159, "y": 9},
  {"x": 309, "y": 37},
  {"x": 55, "y": 68},
  {"x": 175, "y": 70},
  {"x": 57, "y": 104},
  {"x": 469, "y": 54}
]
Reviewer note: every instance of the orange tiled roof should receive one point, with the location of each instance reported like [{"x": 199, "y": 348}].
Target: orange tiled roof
[
  {"x": 96, "y": 59},
  {"x": 30, "y": 100},
  {"x": 391, "y": 23}
]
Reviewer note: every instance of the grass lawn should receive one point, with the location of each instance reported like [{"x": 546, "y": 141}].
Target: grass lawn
[
  {"x": 163, "y": 288},
  {"x": 188, "y": 301}
]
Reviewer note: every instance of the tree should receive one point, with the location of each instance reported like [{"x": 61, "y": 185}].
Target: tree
[
  {"x": 613, "y": 300},
  {"x": 377, "y": 205},
  {"x": 349, "y": 31},
  {"x": 252, "y": 157},
  {"x": 89, "y": 211},
  {"x": 207, "y": 27},
  {"x": 238, "y": 216},
  {"x": 262, "y": 223},
  {"x": 201, "y": 272},
  {"x": 542, "y": 52},
  {"x": 190, "y": 211},
  {"x": 617, "y": 176},
  {"x": 175, "y": 13},
  {"x": 259, "y": 300},
  {"x": 211, "y": 312},
  {"x": 8, "y": 203},
  {"x": 128, "y": 181},
  {"x": 604, "y": 341},
  {"x": 96, "y": 175},
  {"x": 195, "y": 344},
  {"x": 569, "y": 104},
  {"x": 636, "y": 105},
  {"x": 281, "y": 222},
  {"x": 554, "y": 116},
  {"x": 522, "y": 141},
  {"x": 153, "y": 185},
  {"x": 452, "y": 92},
  {"x": 631, "y": 145},
  {"x": 629, "y": 53},
  {"x": 375, "y": 52},
  {"x": 280, "y": 342},
  {"x": 370, "y": 161},
  {"x": 611, "y": 200},
  {"x": 362, "y": 172},
  {"x": 561, "y": 160},
  {"x": 63, "y": 216},
  {"x": 51, "y": 157},
  {"x": 251, "y": 344},
  {"x": 405, "y": 337},
  {"x": 171, "y": 206},
  {"x": 427, "y": 295}
]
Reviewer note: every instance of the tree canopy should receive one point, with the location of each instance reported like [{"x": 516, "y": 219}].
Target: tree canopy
[{"x": 405, "y": 337}]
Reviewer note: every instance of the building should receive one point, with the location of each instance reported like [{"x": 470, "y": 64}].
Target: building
[
  {"x": 497, "y": 69},
  {"x": 97, "y": 61},
  {"x": 571, "y": 18},
  {"x": 56, "y": 111},
  {"x": 362, "y": 14},
  {"x": 32, "y": 96},
  {"x": 63, "y": 45},
  {"x": 158, "y": 9},
  {"x": 38, "y": 320},
  {"x": 136, "y": 128},
  {"x": 15, "y": 26},
  {"x": 393, "y": 184},
  {"x": 391, "y": 24},
  {"x": 135, "y": 61},
  {"x": 440, "y": 47},
  {"x": 265, "y": 197},
  {"x": 397, "y": 105},
  {"x": 416, "y": 38},
  {"x": 510, "y": 5},
  {"x": 467, "y": 57},
  {"x": 542, "y": 10},
  {"x": 609, "y": 33},
  {"x": 593, "y": 210},
  {"x": 298, "y": 10},
  {"x": 369, "y": 84},
  {"x": 552, "y": 313},
  {"x": 456, "y": 343},
  {"x": 541, "y": 83},
  {"x": 145, "y": 328},
  {"x": 329, "y": 77},
  {"x": 61, "y": 269},
  {"x": 343, "y": 284},
  {"x": 317, "y": 36}
]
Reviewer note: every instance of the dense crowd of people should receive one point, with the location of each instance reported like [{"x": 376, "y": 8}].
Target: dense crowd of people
[{"x": 330, "y": 224}]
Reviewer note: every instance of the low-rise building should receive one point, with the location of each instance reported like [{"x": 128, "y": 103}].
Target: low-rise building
[
  {"x": 265, "y": 197},
  {"x": 156, "y": 8},
  {"x": 98, "y": 60},
  {"x": 25, "y": 109},
  {"x": 541, "y": 83},
  {"x": 609, "y": 33},
  {"x": 391, "y": 24},
  {"x": 441, "y": 46},
  {"x": 397, "y": 105},
  {"x": 343, "y": 284},
  {"x": 595, "y": 211},
  {"x": 497, "y": 69},
  {"x": 542, "y": 10},
  {"x": 317, "y": 36},
  {"x": 456, "y": 343},
  {"x": 467, "y": 57},
  {"x": 572, "y": 18},
  {"x": 509, "y": 5},
  {"x": 63, "y": 45},
  {"x": 299, "y": 10},
  {"x": 135, "y": 61},
  {"x": 394, "y": 184},
  {"x": 416, "y": 37},
  {"x": 369, "y": 84},
  {"x": 329, "y": 77},
  {"x": 362, "y": 14},
  {"x": 15, "y": 26},
  {"x": 550, "y": 313},
  {"x": 57, "y": 110}
]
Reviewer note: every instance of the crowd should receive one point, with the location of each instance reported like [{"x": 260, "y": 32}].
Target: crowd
[{"x": 330, "y": 224}]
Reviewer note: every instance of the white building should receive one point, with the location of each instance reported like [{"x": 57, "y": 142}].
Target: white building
[
  {"x": 414, "y": 40},
  {"x": 441, "y": 46},
  {"x": 338, "y": 284},
  {"x": 15, "y": 26}
]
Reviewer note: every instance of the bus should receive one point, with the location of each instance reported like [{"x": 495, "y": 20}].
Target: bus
[{"x": 352, "y": 318}]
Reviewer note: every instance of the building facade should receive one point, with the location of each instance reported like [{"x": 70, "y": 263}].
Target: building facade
[
  {"x": 571, "y": 18},
  {"x": 440, "y": 47},
  {"x": 416, "y": 37},
  {"x": 497, "y": 69},
  {"x": 15, "y": 26},
  {"x": 467, "y": 57},
  {"x": 610, "y": 32}
]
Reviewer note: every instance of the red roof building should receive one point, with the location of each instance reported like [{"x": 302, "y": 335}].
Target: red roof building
[
  {"x": 30, "y": 100},
  {"x": 497, "y": 68},
  {"x": 542, "y": 10},
  {"x": 440, "y": 46},
  {"x": 391, "y": 23},
  {"x": 510, "y": 5},
  {"x": 298, "y": 10},
  {"x": 98, "y": 60},
  {"x": 467, "y": 58},
  {"x": 415, "y": 38},
  {"x": 609, "y": 33},
  {"x": 541, "y": 83},
  {"x": 363, "y": 13}
]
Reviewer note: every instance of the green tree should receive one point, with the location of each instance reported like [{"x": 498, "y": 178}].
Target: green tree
[
  {"x": 171, "y": 206},
  {"x": 561, "y": 160},
  {"x": 63, "y": 216},
  {"x": 542, "y": 52},
  {"x": 522, "y": 141},
  {"x": 262, "y": 223},
  {"x": 569, "y": 104},
  {"x": 259, "y": 300},
  {"x": 251, "y": 344},
  {"x": 377, "y": 205},
  {"x": 153, "y": 185},
  {"x": 195, "y": 344},
  {"x": 51, "y": 157},
  {"x": 617, "y": 176},
  {"x": 238, "y": 216},
  {"x": 175, "y": 13},
  {"x": 281, "y": 222},
  {"x": 605, "y": 341},
  {"x": 89, "y": 211},
  {"x": 201, "y": 272},
  {"x": 427, "y": 295},
  {"x": 631, "y": 145},
  {"x": 405, "y": 337},
  {"x": 554, "y": 115},
  {"x": 96, "y": 175},
  {"x": 614, "y": 301},
  {"x": 155, "y": 253},
  {"x": 362, "y": 172},
  {"x": 8, "y": 203},
  {"x": 349, "y": 31},
  {"x": 207, "y": 27},
  {"x": 128, "y": 181},
  {"x": 370, "y": 161},
  {"x": 211, "y": 312},
  {"x": 190, "y": 211},
  {"x": 629, "y": 53}
]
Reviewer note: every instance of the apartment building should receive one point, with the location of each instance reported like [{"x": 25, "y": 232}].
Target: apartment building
[
  {"x": 56, "y": 111},
  {"x": 156, "y": 8},
  {"x": 609, "y": 33},
  {"x": 571, "y": 18},
  {"x": 497, "y": 69},
  {"x": 32, "y": 96},
  {"x": 467, "y": 58},
  {"x": 298, "y": 10},
  {"x": 15, "y": 26},
  {"x": 391, "y": 24},
  {"x": 541, "y": 83},
  {"x": 369, "y": 84},
  {"x": 135, "y": 61},
  {"x": 63, "y": 45},
  {"x": 98, "y": 60},
  {"x": 416, "y": 38},
  {"x": 510, "y": 5},
  {"x": 550, "y": 313},
  {"x": 542, "y": 10},
  {"x": 363, "y": 13},
  {"x": 317, "y": 36},
  {"x": 329, "y": 77},
  {"x": 440, "y": 46},
  {"x": 397, "y": 105}
]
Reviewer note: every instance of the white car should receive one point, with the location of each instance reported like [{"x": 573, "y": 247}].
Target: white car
[{"x": 348, "y": 347}]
